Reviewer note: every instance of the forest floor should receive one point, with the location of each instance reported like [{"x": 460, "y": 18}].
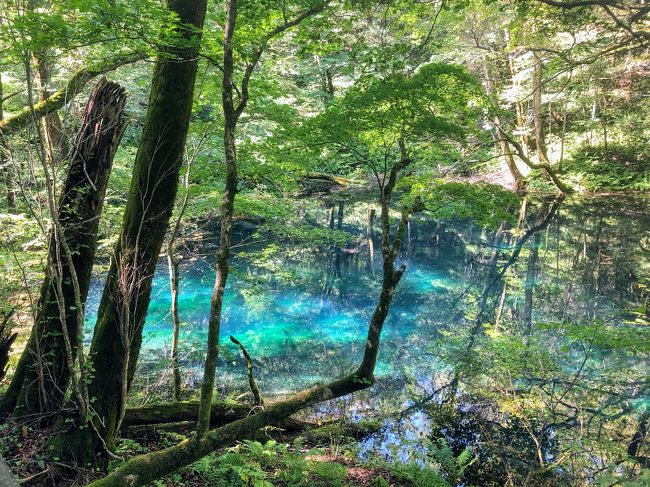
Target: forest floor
[{"x": 248, "y": 463}]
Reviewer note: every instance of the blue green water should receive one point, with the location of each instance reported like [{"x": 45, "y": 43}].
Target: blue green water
[{"x": 310, "y": 324}]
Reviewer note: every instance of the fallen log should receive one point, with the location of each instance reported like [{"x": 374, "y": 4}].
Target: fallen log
[
  {"x": 314, "y": 182},
  {"x": 284, "y": 431},
  {"x": 328, "y": 177},
  {"x": 289, "y": 426},
  {"x": 223, "y": 412}
]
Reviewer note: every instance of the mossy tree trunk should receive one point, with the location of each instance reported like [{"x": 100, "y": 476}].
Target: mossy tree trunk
[
  {"x": 231, "y": 114},
  {"x": 118, "y": 332},
  {"x": 42, "y": 375},
  {"x": 59, "y": 98},
  {"x": 4, "y": 159}
]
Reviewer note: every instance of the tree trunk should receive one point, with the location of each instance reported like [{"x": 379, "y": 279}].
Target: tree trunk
[
  {"x": 370, "y": 222},
  {"x": 531, "y": 276},
  {"x": 5, "y": 163},
  {"x": 7, "y": 338},
  {"x": 538, "y": 122},
  {"x": 221, "y": 413},
  {"x": 118, "y": 332},
  {"x": 231, "y": 115},
  {"x": 54, "y": 142},
  {"x": 173, "y": 264},
  {"x": 559, "y": 184},
  {"x": 339, "y": 216},
  {"x": 520, "y": 181},
  {"x": 79, "y": 209}
]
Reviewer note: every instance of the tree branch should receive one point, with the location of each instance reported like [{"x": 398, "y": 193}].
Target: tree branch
[
  {"x": 249, "y": 369},
  {"x": 250, "y": 67},
  {"x": 59, "y": 98}
]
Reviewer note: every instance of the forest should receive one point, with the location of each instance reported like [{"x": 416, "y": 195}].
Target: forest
[{"x": 285, "y": 243}]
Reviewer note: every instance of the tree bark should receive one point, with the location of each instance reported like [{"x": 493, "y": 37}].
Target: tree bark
[
  {"x": 7, "y": 338},
  {"x": 370, "y": 222},
  {"x": 538, "y": 121},
  {"x": 4, "y": 159},
  {"x": 173, "y": 264},
  {"x": 559, "y": 184},
  {"x": 231, "y": 115},
  {"x": 520, "y": 181},
  {"x": 54, "y": 142},
  {"x": 118, "y": 332},
  {"x": 31, "y": 390},
  {"x": 222, "y": 412}
]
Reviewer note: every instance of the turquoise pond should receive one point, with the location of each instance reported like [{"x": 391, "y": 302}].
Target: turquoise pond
[{"x": 303, "y": 314}]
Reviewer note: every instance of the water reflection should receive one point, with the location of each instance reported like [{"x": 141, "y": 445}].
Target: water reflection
[{"x": 584, "y": 260}]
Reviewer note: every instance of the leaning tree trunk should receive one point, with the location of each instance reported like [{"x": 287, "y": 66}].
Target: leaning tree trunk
[
  {"x": 60, "y": 97},
  {"x": 118, "y": 332},
  {"x": 42, "y": 374},
  {"x": 520, "y": 180}
]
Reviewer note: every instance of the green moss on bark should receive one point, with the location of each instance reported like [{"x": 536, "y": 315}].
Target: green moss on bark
[{"x": 154, "y": 184}]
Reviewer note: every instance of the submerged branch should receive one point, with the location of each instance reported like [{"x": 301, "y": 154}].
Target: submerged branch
[{"x": 249, "y": 369}]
